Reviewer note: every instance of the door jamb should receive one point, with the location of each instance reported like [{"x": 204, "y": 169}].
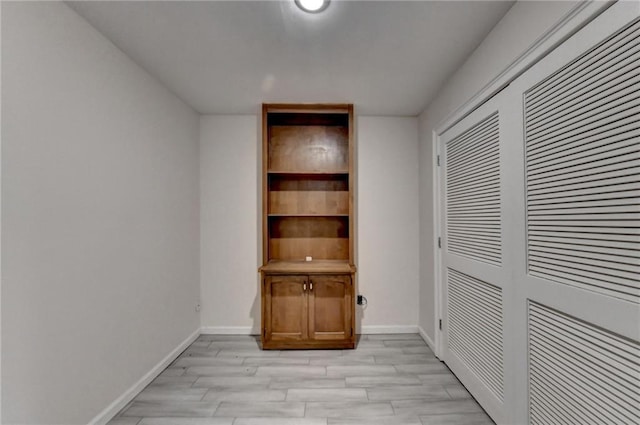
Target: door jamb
[{"x": 437, "y": 269}]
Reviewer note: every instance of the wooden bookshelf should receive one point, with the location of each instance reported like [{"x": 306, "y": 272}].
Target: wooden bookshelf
[{"x": 308, "y": 212}]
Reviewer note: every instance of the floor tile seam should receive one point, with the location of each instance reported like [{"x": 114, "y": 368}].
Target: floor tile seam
[
  {"x": 425, "y": 399},
  {"x": 393, "y": 408},
  {"x": 452, "y": 397},
  {"x": 213, "y": 414},
  {"x": 193, "y": 383}
]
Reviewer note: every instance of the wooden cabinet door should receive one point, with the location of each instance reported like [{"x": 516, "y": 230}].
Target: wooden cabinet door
[
  {"x": 330, "y": 307},
  {"x": 286, "y": 308}
]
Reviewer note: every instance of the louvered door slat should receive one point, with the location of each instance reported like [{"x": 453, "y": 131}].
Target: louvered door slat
[
  {"x": 569, "y": 276},
  {"x": 606, "y": 275},
  {"x": 463, "y": 210},
  {"x": 485, "y": 180},
  {"x": 618, "y": 256},
  {"x": 587, "y": 125},
  {"x": 564, "y": 107},
  {"x": 477, "y": 132},
  {"x": 613, "y": 75},
  {"x": 587, "y": 370},
  {"x": 489, "y": 296},
  {"x": 560, "y": 201},
  {"x": 481, "y": 188},
  {"x": 615, "y": 154},
  {"x": 611, "y": 205},
  {"x": 598, "y": 179},
  {"x": 475, "y": 328},
  {"x": 614, "y": 248},
  {"x": 480, "y": 149},
  {"x": 589, "y": 110},
  {"x": 588, "y": 232},
  {"x": 470, "y": 201},
  {"x": 579, "y": 405},
  {"x": 620, "y": 272},
  {"x": 586, "y": 340},
  {"x": 613, "y": 167},
  {"x": 629, "y": 264},
  {"x": 480, "y": 168},
  {"x": 601, "y": 225},
  {"x": 591, "y": 373},
  {"x": 473, "y": 192},
  {"x": 626, "y": 188},
  {"x": 583, "y": 168},
  {"x": 629, "y": 130},
  {"x": 583, "y": 135},
  {"x": 478, "y": 241},
  {"x": 586, "y": 151},
  {"x": 472, "y": 143},
  {"x": 591, "y": 61}
]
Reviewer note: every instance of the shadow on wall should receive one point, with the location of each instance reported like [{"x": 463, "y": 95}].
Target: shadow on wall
[{"x": 256, "y": 312}]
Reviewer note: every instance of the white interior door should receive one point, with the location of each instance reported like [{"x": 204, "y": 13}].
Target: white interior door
[
  {"x": 578, "y": 218},
  {"x": 540, "y": 222},
  {"x": 474, "y": 271}
]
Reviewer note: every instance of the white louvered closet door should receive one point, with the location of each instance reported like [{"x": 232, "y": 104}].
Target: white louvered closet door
[
  {"x": 474, "y": 275},
  {"x": 580, "y": 224},
  {"x": 567, "y": 282}
]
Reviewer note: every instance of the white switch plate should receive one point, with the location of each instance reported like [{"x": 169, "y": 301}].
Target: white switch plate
[{"x": 308, "y": 258}]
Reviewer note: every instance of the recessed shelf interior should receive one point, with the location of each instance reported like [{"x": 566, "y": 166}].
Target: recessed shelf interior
[
  {"x": 307, "y": 141},
  {"x": 322, "y": 238},
  {"x": 308, "y": 194}
]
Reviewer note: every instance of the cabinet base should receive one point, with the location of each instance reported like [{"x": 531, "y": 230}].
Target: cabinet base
[{"x": 308, "y": 345}]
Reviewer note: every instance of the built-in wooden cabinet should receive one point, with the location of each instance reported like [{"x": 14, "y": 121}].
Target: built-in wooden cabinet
[
  {"x": 308, "y": 267},
  {"x": 312, "y": 309}
]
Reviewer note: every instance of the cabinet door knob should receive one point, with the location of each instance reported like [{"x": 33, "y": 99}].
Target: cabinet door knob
[
  {"x": 310, "y": 286},
  {"x": 304, "y": 287}
]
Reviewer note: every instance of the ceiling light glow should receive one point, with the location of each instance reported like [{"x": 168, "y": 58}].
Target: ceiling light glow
[{"x": 312, "y": 6}]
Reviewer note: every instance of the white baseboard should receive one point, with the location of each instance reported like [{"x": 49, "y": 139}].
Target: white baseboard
[
  {"x": 248, "y": 330},
  {"x": 229, "y": 330},
  {"x": 107, "y": 414},
  {"x": 426, "y": 338},
  {"x": 405, "y": 329}
]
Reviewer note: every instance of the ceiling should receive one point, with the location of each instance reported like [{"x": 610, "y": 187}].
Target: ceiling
[{"x": 227, "y": 57}]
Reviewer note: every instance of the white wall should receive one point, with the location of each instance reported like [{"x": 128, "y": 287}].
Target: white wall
[
  {"x": 100, "y": 225},
  {"x": 230, "y": 230},
  {"x": 387, "y": 243},
  {"x": 0, "y": 219},
  {"x": 525, "y": 22}
]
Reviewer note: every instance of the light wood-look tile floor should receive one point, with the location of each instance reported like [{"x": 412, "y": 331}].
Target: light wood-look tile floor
[{"x": 228, "y": 380}]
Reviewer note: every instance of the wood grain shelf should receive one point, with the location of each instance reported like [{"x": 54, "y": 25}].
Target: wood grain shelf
[
  {"x": 308, "y": 215},
  {"x": 310, "y": 194},
  {"x": 309, "y": 173},
  {"x": 309, "y": 267}
]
